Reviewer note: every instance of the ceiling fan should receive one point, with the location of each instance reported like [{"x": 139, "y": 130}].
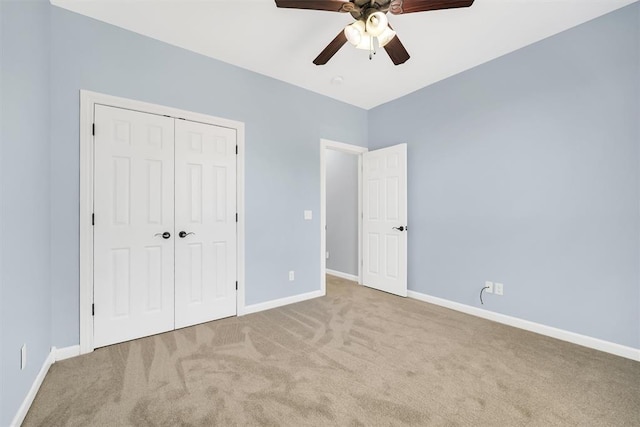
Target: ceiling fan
[{"x": 371, "y": 22}]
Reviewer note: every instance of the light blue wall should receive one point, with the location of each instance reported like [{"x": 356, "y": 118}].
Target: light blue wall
[
  {"x": 284, "y": 125},
  {"x": 525, "y": 171},
  {"x": 25, "y": 314},
  {"x": 342, "y": 211}
]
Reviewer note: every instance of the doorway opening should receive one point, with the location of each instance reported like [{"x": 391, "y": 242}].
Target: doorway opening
[{"x": 341, "y": 211}]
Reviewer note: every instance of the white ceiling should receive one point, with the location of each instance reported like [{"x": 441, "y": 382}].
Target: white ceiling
[{"x": 281, "y": 43}]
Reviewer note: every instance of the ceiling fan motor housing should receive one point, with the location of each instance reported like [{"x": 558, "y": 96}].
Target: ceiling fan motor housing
[{"x": 361, "y": 9}]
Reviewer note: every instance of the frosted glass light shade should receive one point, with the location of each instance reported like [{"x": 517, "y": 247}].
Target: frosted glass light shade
[
  {"x": 387, "y": 35},
  {"x": 354, "y": 32},
  {"x": 365, "y": 42},
  {"x": 377, "y": 22}
]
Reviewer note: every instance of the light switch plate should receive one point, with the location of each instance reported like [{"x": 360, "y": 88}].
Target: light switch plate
[{"x": 308, "y": 215}]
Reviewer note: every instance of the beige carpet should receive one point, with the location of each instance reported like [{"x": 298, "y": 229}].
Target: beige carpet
[{"x": 356, "y": 357}]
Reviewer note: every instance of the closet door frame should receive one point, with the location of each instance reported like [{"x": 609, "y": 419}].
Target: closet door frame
[{"x": 88, "y": 101}]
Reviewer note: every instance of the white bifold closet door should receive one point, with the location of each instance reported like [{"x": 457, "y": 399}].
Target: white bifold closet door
[
  {"x": 133, "y": 205},
  {"x": 206, "y": 216},
  {"x": 165, "y": 225}
]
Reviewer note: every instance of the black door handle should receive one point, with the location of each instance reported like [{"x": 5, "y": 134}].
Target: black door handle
[
  {"x": 164, "y": 235},
  {"x": 401, "y": 228},
  {"x": 184, "y": 234}
]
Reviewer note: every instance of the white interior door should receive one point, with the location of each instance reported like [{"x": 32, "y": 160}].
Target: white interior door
[
  {"x": 133, "y": 262},
  {"x": 205, "y": 174},
  {"x": 384, "y": 226}
]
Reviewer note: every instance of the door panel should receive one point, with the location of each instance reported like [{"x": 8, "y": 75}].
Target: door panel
[
  {"x": 205, "y": 180},
  {"x": 385, "y": 207},
  {"x": 133, "y": 266},
  {"x": 195, "y": 272}
]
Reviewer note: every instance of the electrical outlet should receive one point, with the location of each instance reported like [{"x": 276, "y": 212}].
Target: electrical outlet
[
  {"x": 499, "y": 287},
  {"x": 327, "y": 254},
  {"x": 308, "y": 215},
  {"x": 488, "y": 287},
  {"x": 23, "y": 357},
  {"x": 292, "y": 276}
]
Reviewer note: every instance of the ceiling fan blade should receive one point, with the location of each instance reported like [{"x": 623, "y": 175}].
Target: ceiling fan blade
[
  {"x": 396, "y": 51},
  {"x": 398, "y": 7},
  {"x": 331, "y": 49},
  {"x": 330, "y": 5}
]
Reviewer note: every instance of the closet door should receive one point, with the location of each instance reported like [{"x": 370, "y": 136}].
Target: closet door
[
  {"x": 133, "y": 231},
  {"x": 205, "y": 215}
]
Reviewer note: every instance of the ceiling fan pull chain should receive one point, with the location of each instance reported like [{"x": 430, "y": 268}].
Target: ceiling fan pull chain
[{"x": 371, "y": 51}]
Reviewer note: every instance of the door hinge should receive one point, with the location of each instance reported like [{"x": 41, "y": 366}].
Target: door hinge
[
  {"x": 93, "y": 219},
  {"x": 93, "y": 129},
  {"x": 236, "y": 149},
  {"x": 236, "y": 285},
  {"x": 236, "y": 216},
  {"x": 93, "y": 309}
]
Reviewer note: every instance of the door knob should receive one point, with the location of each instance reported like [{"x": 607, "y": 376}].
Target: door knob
[
  {"x": 401, "y": 228},
  {"x": 184, "y": 234},
  {"x": 164, "y": 235}
]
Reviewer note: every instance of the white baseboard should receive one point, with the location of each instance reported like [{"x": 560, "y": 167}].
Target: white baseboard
[
  {"x": 55, "y": 355},
  {"x": 254, "y": 308},
  {"x": 561, "y": 334},
  {"x": 342, "y": 275},
  {"x": 65, "y": 352},
  {"x": 28, "y": 400}
]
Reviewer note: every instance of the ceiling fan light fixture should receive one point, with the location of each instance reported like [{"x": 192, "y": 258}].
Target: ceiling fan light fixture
[
  {"x": 355, "y": 32},
  {"x": 377, "y": 23},
  {"x": 387, "y": 35}
]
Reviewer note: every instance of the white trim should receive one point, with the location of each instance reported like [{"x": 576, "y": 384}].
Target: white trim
[
  {"x": 254, "y": 308},
  {"x": 240, "y": 301},
  {"x": 350, "y": 149},
  {"x": 88, "y": 100},
  {"x": 87, "y": 103},
  {"x": 360, "y": 218},
  {"x": 28, "y": 399},
  {"x": 561, "y": 334},
  {"x": 342, "y": 275},
  {"x": 65, "y": 352}
]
